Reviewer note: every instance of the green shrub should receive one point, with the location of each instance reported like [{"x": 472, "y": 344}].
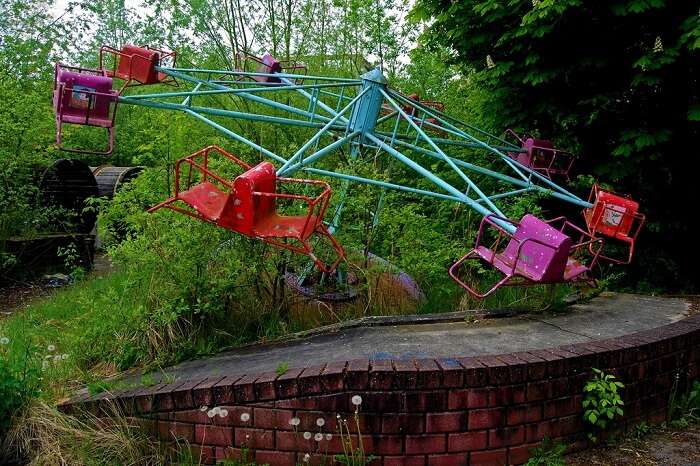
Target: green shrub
[
  {"x": 19, "y": 379},
  {"x": 602, "y": 402}
]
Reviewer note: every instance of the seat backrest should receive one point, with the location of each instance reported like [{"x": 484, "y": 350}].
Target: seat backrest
[
  {"x": 543, "y": 263},
  {"x": 538, "y": 157},
  {"x": 143, "y": 71},
  {"x": 76, "y": 100},
  {"x": 268, "y": 65},
  {"x": 242, "y": 209},
  {"x": 410, "y": 109},
  {"x": 611, "y": 215}
]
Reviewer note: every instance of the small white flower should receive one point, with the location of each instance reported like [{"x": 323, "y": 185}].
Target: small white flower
[
  {"x": 489, "y": 62},
  {"x": 307, "y": 435},
  {"x": 337, "y": 416},
  {"x": 356, "y": 400},
  {"x": 329, "y": 437},
  {"x": 223, "y": 413},
  {"x": 48, "y": 356},
  {"x": 44, "y": 365},
  {"x": 245, "y": 417},
  {"x": 295, "y": 421},
  {"x": 204, "y": 408},
  {"x": 320, "y": 422},
  {"x": 57, "y": 357},
  {"x": 4, "y": 341},
  {"x": 64, "y": 356},
  {"x": 658, "y": 45},
  {"x": 51, "y": 348},
  {"x": 318, "y": 437},
  {"x": 211, "y": 413},
  {"x": 307, "y": 457}
]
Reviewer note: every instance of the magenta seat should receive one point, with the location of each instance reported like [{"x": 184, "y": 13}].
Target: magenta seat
[
  {"x": 538, "y": 252},
  {"x": 84, "y": 97}
]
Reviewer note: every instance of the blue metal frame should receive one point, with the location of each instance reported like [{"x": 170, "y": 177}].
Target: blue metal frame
[{"x": 324, "y": 104}]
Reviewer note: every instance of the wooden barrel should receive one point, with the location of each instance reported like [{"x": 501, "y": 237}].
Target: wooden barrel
[
  {"x": 68, "y": 184},
  {"x": 111, "y": 179}
]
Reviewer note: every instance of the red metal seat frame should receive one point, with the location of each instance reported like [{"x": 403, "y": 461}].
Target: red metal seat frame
[
  {"x": 625, "y": 231},
  {"x": 548, "y": 161},
  {"x": 513, "y": 272},
  {"x": 154, "y": 77},
  {"x": 312, "y": 220},
  {"x": 60, "y": 108}
]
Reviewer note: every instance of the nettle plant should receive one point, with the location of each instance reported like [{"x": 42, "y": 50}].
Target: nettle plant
[{"x": 602, "y": 401}]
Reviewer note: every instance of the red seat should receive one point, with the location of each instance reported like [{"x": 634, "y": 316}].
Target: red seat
[
  {"x": 137, "y": 65},
  {"x": 614, "y": 216},
  {"x": 267, "y": 64},
  {"x": 248, "y": 204},
  {"x": 538, "y": 252},
  {"x": 83, "y": 96}
]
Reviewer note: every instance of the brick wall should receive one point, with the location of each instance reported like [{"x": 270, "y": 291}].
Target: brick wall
[{"x": 462, "y": 411}]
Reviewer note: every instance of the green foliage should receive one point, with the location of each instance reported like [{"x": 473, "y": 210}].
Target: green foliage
[
  {"x": 602, "y": 401},
  {"x": 282, "y": 368},
  {"x": 615, "y": 81},
  {"x": 548, "y": 453},
  {"x": 684, "y": 408},
  {"x": 19, "y": 378},
  {"x": 640, "y": 430}
]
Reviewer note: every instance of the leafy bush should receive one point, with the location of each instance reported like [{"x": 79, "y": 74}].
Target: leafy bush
[
  {"x": 602, "y": 401},
  {"x": 19, "y": 379},
  {"x": 548, "y": 453}
]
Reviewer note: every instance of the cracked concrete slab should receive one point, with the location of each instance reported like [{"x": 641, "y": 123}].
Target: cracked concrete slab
[{"x": 608, "y": 315}]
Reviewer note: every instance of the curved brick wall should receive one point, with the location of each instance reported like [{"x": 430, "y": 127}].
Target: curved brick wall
[{"x": 464, "y": 411}]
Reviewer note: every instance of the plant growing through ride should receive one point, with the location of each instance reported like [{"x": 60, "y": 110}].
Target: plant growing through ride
[{"x": 602, "y": 402}]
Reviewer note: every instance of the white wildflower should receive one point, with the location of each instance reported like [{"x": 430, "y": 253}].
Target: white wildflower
[
  {"x": 211, "y": 413},
  {"x": 658, "y": 45},
  {"x": 329, "y": 437},
  {"x": 223, "y": 413},
  {"x": 356, "y": 400},
  {"x": 320, "y": 422},
  {"x": 318, "y": 437},
  {"x": 48, "y": 356},
  {"x": 307, "y": 435},
  {"x": 64, "y": 356},
  {"x": 245, "y": 417},
  {"x": 51, "y": 348},
  {"x": 204, "y": 408},
  {"x": 57, "y": 358},
  {"x": 4, "y": 341},
  {"x": 307, "y": 457},
  {"x": 44, "y": 365},
  {"x": 295, "y": 421},
  {"x": 489, "y": 62}
]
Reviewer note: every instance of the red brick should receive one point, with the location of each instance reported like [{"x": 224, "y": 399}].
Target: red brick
[
  {"x": 381, "y": 402},
  {"x": 480, "y": 397},
  {"x": 402, "y": 424},
  {"x": 467, "y": 441},
  {"x": 506, "y": 436},
  {"x": 404, "y": 461},
  {"x": 275, "y": 458},
  {"x": 222, "y": 391},
  {"x": 497, "y": 370},
  {"x": 229, "y": 453},
  {"x": 539, "y": 390},
  {"x": 333, "y": 377},
  {"x": 181, "y": 431},
  {"x": 522, "y": 414},
  {"x": 429, "y": 374},
  {"x": 202, "y": 394},
  {"x": 381, "y": 377},
  {"x": 244, "y": 389},
  {"x": 559, "y": 408},
  {"x": 308, "y": 421},
  {"x": 448, "y": 460},
  {"x": 520, "y": 454},
  {"x": 474, "y": 372},
  {"x": 425, "y": 401},
  {"x": 488, "y": 458},
  {"x": 357, "y": 374},
  {"x": 254, "y": 438},
  {"x": 214, "y": 435},
  {"x": 486, "y": 418},
  {"x": 452, "y": 373},
  {"x": 458, "y": 399},
  {"x": 405, "y": 376},
  {"x": 382, "y": 444},
  {"x": 309, "y": 381},
  {"x": 265, "y": 386},
  {"x": 266, "y": 418},
  {"x": 292, "y": 441},
  {"x": 203, "y": 455},
  {"x": 286, "y": 384},
  {"x": 425, "y": 444},
  {"x": 446, "y": 422},
  {"x": 508, "y": 395}
]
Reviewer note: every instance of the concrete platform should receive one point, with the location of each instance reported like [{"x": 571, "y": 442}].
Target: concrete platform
[{"x": 606, "y": 316}]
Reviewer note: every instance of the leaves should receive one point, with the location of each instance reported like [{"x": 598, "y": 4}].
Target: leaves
[{"x": 602, "y": 399}]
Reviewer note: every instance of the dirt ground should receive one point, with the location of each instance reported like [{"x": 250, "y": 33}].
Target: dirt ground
[{"x": 662, "y": 446}]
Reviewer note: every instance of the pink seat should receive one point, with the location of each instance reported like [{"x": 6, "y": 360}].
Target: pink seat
[
  {"x": 84, "y": 97},
  {"x": 541, "y": 156},
  {"x": 537, "y": 252}
]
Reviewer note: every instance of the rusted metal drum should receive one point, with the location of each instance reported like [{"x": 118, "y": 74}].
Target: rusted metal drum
[
  {"x": 68, "y": 184},
  {"x": 111, "y": 179}
]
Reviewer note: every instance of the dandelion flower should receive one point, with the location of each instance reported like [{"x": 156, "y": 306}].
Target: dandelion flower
[
  {"x": 295, "y": 421},
  {"x": 211, "y": 413},
  {"x": 223, "y": 413},
  {"x": 318, "y": 437},
  {"x": 307, "y": 457},
  {"x": 44, "y": 365},
  {"x": 329, "y": 437},
  {"x": 64, "y": 356},
  {"x": 320, "y": 422},
  {"x": 204, "y": 408},
  {"x": 51, "y": 348},
  {"x": 57, "y": 357},
  {"x": 356, "y": 400},
  {"x": 307, "y": 435},
  {"x": 4, "y": 341},
  {"x": 245, "y": 417}
]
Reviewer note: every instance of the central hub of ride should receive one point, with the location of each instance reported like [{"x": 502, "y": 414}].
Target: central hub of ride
[{"x": 365, "y": 113}]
